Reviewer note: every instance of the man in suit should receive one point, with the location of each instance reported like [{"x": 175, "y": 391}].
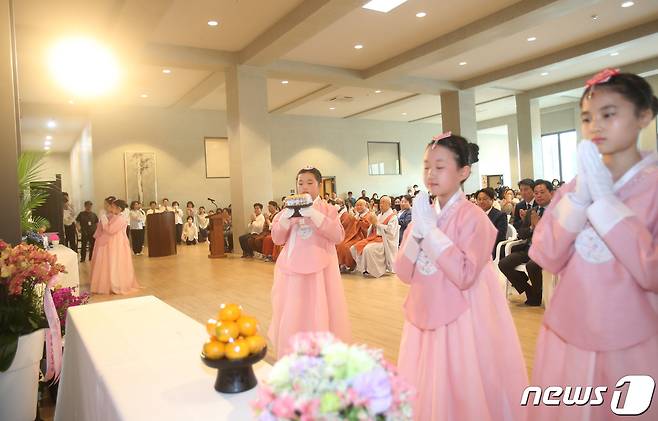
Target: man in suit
[
  {"x": 543, "y": 192},
  {"x": 485, "y": 198},
  {"x": 404, "y": 216},
  {"x": 526, "y": 186}
]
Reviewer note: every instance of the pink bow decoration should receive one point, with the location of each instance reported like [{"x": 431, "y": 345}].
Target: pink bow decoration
[
  {"x": 601, "y": 77},
  {"x": 53, "y": 335},
  {"x": 440, "y": 137}
]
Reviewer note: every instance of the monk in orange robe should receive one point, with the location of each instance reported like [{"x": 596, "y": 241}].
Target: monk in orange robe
[{"x": 356, "y": 229}]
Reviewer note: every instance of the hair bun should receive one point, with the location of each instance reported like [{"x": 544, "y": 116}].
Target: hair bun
[{"x": 473, "y": 153}]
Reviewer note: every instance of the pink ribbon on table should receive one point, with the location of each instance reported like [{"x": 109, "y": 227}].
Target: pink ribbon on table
[
  {"x": 439, "y": 137},
  {"x": 53, "y": 335}
]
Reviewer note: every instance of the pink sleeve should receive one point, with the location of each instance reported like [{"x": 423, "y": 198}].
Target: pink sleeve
[
  {"x": 628, "y": 238},
  {"x": 331, "y": 228},
  {"x": 280, "y": 229},
  {"x": 554, "y": 236},
  {"x": 117, "y": 224},
  {"x": 405, "y": 260},
  {"x": 462, "y": 259}
]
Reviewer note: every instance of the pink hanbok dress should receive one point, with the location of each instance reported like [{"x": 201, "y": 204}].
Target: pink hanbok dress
[
  {"x": 459, "y": 347},
  {"x": 307, "y": 295},
  {"x": 602, "y": 323},
  {"x": 111, "y": 265}
]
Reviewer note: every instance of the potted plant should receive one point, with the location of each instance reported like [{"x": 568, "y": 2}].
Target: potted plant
[{"x": 26, "y": 310}]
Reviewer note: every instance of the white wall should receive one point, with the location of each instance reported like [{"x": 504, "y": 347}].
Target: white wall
[
  {"x": 559, "y": 119},
  {"x": 81, "y": 165},
  {"x": 338, "y": 147},
  {"x": 57, "y": 163},
  {"x": 177, "y": 138},
  {"x": 494, "y": 156}
]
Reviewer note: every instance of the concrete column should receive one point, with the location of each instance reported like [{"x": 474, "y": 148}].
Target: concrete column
[
  {"x": 514, "y": 161},
  {"x": 249, "y": 143},
  {"x": 458, "y": 116},
  {"x": 528, "y": 123},
  {"x": 10, "y": 227}
]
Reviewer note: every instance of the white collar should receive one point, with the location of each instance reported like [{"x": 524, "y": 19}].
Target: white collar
[
  {"x": 648, "y": 159},
  {"x": 489, "y": 210},
  {"x": 458, "y": 195}
]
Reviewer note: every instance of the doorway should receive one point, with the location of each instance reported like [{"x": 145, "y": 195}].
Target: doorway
[{"x": 328, "y": 186}]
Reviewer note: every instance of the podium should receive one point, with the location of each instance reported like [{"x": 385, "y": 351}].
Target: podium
[
  {"x": 216, "y": 236},
  {"x": 161, "y": 232}
]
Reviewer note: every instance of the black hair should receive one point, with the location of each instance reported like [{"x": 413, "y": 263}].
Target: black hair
[
  {"x": 110, "y": 199},
  {"x": 153, "y": 202},
  {"x": 133, "y": 203},
  {"x": 349, "y": 192},
  {"x": 415, "y": 185},
  {"x": 632, "y": 87},
  {"x": 409, "y": 198},
  {"x": 527, "y": 182},
  {"x": 175, "y": 203},
  {"x": 466, "y": 153},
  {"x": 488, "y": 191},
  {"x": 189, "y": 216},
  {"x": 273, "y": 203},
  {"x": 190, "y": 203},
  {"x": 88, "y": 203},
  {"x": 163, "y": 199},
  {"x": 548, "y": 184},
  {"x": 316, "y": 173},
  {"x": 202, "y": 207},
  {"x": 120, "y": 203},
  {"x": 258, "y": 205}
]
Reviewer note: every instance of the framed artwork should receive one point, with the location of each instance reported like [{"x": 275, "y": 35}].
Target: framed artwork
[
  {"x": 217, "y": 157},
  {"x": 141, "y": 180}
]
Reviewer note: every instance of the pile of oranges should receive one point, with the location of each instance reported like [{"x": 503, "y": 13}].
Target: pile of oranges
[{"x": 232, "y": 335}]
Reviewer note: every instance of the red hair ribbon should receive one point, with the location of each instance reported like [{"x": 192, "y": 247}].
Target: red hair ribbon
[
  {"x": 601, "y": 77},
  {"x": 440, "y": 137}
]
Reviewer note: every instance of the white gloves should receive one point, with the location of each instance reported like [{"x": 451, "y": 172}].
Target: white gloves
[
  {"x": 599, "y": 179},
  {"x": 423, "y": 215},
  {"x": 582, "y": 195},
  {"x": 315, "y": 215},
  {"x": 286, "y": 213}
]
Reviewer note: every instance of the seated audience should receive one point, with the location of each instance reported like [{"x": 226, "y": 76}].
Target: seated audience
[
  {"x": 254, "y": 228},
  {"x": 356, "y": 229},
  {"x": 374, "y": 255},
  {"x": 526, "y": 187},
  {"x": 190, "y": 233},
  {"x": 485, "y": 198},
  {"x": 404, "y": 216}
]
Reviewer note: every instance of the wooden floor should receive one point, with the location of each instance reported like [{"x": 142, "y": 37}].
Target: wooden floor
[{"x": 196, "y": 285}]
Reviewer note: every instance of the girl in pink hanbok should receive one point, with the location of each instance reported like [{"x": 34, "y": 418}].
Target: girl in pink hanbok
[
  {"x": 112, "y": 266},
  {"x": 307, "y": 295},
  {"x": 600, "y": 236},
  {"x": 459, "y": 345}
]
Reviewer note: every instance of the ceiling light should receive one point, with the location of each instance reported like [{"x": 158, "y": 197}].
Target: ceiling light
[
  {"x": 383, "y": 6},
  {"x": 421, "y": 14},
  {"x": 47, "y": 143},
  {"x": 530, "y": 39},
  {"x": 378, "y": 91},
  {"x": 544, "y": 73},
  {"x": 595, "y": 17},
  {"x": 332, "y": 108},
  {"x": 166, "y": 71},
  {"x": 627, "y": 4},
  {"x": 46, "y": 148},
  {"x": 404, "y": 113},
  {"x": 213, "y": 23},
  {"x": 462, "y": 63},
  {"x": 51, "y": 124},
  {"x": 284, "y": 82},
  {"x": 143, "y": 96},
  {"x": 358, "y": 46},
  {"x": 84, "y": 67},
  {"x": 614, "y": 54},
  {"x": 49, "y": 137}
]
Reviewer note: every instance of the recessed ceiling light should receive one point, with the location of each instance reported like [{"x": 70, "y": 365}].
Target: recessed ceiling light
[
  {"x": 530, "y": 39},
  {"x": 614, "y": 54},
  {"x": 51, "y": 124},
  {"x": 166, "y": 71},
  {"x": 627, "y": 4},
  {"x": 383, "y": 6},
  {"x": 143, "y": 96},
  {"x": 46, "y": 148},
  {"x": 544, "y": 73},
  {"x": 462, "y": 63},
  {"x": 284, "y": 82},
  {"x": 358, "y": 46},
  {"x": 332, "y": 108},
  {"x": 378, "y": 91},
  {"x": 404, "y": 113},
  {"x": 71, "y": 101},
  {"x": 595, "y": 17},
  {"x": 47, "y": 143},
  {"x": 213, "y": 23},
  {"x": 421, "y": 14},
  {"x": 49, "y": 137}
]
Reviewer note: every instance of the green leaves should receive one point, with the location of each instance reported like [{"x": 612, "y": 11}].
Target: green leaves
[
  {"x": 8, "y": 347},
  {"x": 33, "y": 190}
]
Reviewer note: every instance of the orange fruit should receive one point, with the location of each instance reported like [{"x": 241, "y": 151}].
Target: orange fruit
[
  {"x": 213, "y": 350},
  {"x": 237, "y": 350},
  {"x": 248, "y": 325},
  {"x": 229, "y": 312},
  {"x": 226, "y": 331},
  {"x": 256, "y": 344},
  {"x": 211, "y": 326}
]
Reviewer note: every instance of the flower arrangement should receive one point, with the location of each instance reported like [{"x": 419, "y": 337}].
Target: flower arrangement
[
  {"x": 65, "y": 298},
  {"x": 325, "y": 379},
  {"x": 25, "y": 271}
]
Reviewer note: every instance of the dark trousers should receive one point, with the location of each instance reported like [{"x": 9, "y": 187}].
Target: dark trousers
[
  {"x": 203, "y": 235},
  {"x": 87, "y": 240},
  {"x": 179, "y": 233},
  {"x": 71, "y": 240},
  {"x": 128, "y": 232},
  {"x": 190, "y": 242},
  {"x": 519, "y": 280},
  {"x": 228, "y": 241},
  {"x": 247, "y": 249},
  {"x": 137, "y": 239}
]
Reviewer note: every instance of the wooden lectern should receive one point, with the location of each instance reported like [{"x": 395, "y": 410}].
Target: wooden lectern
[
  {"x": 161, "y": 232},
  {"x": 216, "y": 236}
]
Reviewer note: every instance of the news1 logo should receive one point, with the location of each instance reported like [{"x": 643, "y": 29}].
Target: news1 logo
[{"x": 638, "y": 395}]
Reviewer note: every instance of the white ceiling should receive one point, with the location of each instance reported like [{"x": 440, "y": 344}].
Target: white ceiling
[{"x": 320, "y": 49}]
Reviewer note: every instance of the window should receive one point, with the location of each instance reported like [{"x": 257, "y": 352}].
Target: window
[
  {"x": 559, "y": 155},
  {"x": 383, "y": 158}
]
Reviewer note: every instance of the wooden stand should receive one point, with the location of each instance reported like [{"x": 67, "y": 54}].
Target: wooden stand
[
  {"x": 216, "y": 236},
  {"x": 161, "y": 231}
]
